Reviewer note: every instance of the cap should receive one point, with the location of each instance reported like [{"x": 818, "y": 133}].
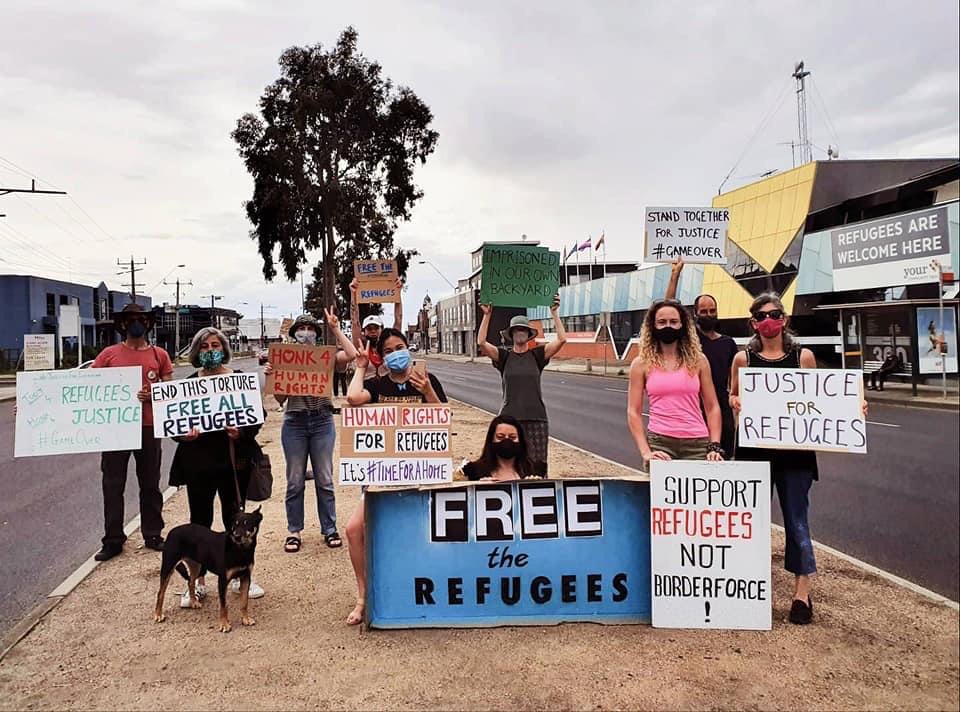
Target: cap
[{"x": 372, "y": 320}]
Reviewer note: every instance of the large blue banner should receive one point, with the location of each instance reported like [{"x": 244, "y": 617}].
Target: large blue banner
[{"x": 523, "y": 553}]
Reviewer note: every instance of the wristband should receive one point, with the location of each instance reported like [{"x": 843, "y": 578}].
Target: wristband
[{"x": 717, "y": 448}]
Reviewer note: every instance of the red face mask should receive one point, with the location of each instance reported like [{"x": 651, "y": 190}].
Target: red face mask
[
  {"x": 770, "y": 328},
  {"x": 374, "y": 357}
]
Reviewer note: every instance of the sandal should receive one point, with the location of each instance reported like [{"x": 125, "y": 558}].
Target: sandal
[
  {"x": 292, "y": 544},
  {"x": 333, "y": 540},
  {"x": 356, "y": 615}
]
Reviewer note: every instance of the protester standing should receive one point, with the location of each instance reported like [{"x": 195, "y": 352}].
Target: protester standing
[
  {"x": 401, "y": 385},
  {"x": 792, "y": 472},
  {"x": 719, "y": 350},
  {"x": 134, "y": 322},
  {"x": 309, "y": 431},
  {"x": 207, "y": 462},
  {"x": 520, "y": 370},
  {"x": 673, "y": 373},
  {"x": 368, "y": 336}
]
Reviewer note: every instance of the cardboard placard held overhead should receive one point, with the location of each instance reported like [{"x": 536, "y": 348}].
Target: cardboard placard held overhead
[
  {"x": 699, "y": 235},
  {"x": 710, "y": 544},
  {"x": 301, "y": 370},
  {"x": 802, "y": 409},
  {"x": 395, "y": 445},
  {"x": 211, "y": 403},
  {"x": 519, "y": 276},
  {"x": 377, "y": 281},
  {"x": 285, "y": 329},
  {"x": 80, "y": 410}
]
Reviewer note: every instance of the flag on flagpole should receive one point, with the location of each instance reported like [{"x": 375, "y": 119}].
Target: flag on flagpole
[
  {"x": 603, "y": 237},
  {"x": 602, "y": 242},
  {"x": 584, "y": 245}
]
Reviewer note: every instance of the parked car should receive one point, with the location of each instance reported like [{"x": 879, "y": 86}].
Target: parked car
[
  {"x": 263, "y": 356},
  {"x": 413, "y": 347},
  {"x": 85, "y": 364}
]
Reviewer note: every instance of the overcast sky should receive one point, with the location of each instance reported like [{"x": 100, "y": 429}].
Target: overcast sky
[{"x": 556, "y": 119}]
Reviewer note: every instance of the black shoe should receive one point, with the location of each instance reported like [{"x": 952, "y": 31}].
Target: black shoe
[
  {"x": 801, "y": 613},
  {"x": 107, "y": 552},
  {"x": 154, "y": 542}
]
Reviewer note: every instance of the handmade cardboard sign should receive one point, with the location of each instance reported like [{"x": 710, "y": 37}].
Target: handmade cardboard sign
[
  {"x": 285, "y": 328},
  {"x": 377, "y": 281},
  {"x": 513, "y": 553},
  {"x": 519, "y": 275},
  {"x": 802, "y": 409},
  {"x": 300, "y": 370},
  {"x": 698, "y": 235},
  {"x": 210, "y": 403},
  {"x": 38, "y": 352},
  {"x": 392, "y": 445},
  {"x": 710, "y": 544},
  {"x": 80, "y": 410}
]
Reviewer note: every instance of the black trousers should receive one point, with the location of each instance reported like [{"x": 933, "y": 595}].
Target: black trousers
[
  {"x": 340, "y": 383},
  {"x": 728, "y": 433},
  {"x": 203, "y": 487},
  {"x": 881, "y": 375},
  {"x": 113, "y": 465}
]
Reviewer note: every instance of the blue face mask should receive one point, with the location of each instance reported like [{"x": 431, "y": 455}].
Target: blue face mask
[
  {"x": 209, "y": 360},
  {"x": 398, "y": 361}
]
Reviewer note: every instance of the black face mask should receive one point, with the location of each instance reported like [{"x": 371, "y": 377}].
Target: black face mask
[
  {"x": 707, "y": 323},
  {"x": 667, "y": 335},
  {"x": 506, "y": 449},
  {"x": 136, "y": 329}
]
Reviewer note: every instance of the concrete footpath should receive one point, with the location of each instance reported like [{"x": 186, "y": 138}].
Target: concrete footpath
[
  {"x": 929, "y": 396},
  {"x": 874, "y": 644}
]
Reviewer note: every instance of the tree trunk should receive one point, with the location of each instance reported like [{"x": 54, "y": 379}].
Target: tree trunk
[{"x": 329, "y": 275}]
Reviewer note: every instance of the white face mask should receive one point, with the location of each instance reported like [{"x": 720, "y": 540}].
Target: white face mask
[{"x": 306, "y": 336}]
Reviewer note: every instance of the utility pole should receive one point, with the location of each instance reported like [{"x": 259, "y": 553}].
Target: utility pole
[
  {"x": 263, "y": 329},
  {"x": 213, "y": 298},
  {"x": 800, "y": 75},
  {"x": 176, "y": 337},
  {"x": 134, "y": 268}
]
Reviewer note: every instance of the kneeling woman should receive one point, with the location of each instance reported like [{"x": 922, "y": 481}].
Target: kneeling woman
[
  {"x": 505, "y": 456},
  {"x": 401, "y": 385},
  {"x": 675, "y": 376}
]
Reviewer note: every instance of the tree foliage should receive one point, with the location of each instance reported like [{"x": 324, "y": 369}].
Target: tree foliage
[{"x": 332, "y": 155}]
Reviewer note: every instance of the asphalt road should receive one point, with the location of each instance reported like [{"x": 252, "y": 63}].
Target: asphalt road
[
  {"x": 51, "y": 516},
  {"x": 896, "y": 507}
]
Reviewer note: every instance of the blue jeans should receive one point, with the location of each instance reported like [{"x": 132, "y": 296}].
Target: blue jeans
[
  {"x": 792, "y": 490},
  {"x": 309, "y": 433}
]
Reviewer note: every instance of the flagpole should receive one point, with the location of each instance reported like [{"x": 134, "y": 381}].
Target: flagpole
[{"x": 603, "y": 236}]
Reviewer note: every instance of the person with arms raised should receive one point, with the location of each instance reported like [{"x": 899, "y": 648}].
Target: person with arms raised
[
  {"x": 366, "y": 338},
  {"x": 521, "y": 367}
]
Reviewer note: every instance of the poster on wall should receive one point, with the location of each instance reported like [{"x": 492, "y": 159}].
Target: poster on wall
[
  {"x": 38, "y": 352},
  {"x": 891, "y": 252},
  {"x": 710, "y": 544},
  {"x": 937, "y": 339}
]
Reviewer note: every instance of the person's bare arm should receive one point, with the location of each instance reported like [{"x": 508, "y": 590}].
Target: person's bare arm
[
  {"x": 807, "y": 359},
  {"x": 355, "y": 314},
  {"x": 711, "y": 407},
  {"x": 551, "y": 349},
  {"x": 675, "y": 269},
  {"x": 398, "y": 307},
  {"x": 349, "y": 351},
  {"x": 356, "y": 393},
  {"x": 739, "y": 361},
  {"x": 486, "y": 348}
]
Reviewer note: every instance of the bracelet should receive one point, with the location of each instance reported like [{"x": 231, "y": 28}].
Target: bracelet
[{"x": 717, "y": 448}]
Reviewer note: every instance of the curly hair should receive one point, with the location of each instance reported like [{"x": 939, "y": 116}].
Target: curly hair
[{"x": 688, "y": 346}]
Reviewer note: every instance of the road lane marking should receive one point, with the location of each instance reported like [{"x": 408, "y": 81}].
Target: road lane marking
[
  {"x": 617, "y": 390},
  {"x": 869, "y": 568},
  {"x": 885, "y": 425}
]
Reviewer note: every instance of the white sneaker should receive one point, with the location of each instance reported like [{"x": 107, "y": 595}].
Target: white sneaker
[
  {"x": 201, "y": 592},
  {"x": 255, "y": 590}
]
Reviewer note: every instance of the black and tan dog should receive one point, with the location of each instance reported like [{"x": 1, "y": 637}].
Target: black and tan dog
[{"x": 229, "y": 555}]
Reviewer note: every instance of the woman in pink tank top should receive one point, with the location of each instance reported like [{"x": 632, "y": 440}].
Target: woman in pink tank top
[{"x": 675, "y": 376}]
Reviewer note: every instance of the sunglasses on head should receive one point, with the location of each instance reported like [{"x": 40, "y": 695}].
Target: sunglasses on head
[{"x": 772, "y": 314}]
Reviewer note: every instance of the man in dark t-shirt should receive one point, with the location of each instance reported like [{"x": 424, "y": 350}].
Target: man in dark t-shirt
[{"x": 719, "y": 350}]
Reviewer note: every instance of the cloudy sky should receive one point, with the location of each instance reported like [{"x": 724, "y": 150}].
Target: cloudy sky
[{"x": 557, "y": 119}]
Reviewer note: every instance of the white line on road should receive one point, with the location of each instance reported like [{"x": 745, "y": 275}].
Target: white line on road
[
  {"x": 885, "y": 425},
  {"x": 617, "y": 390},
  {"x": 869, "y": 568}
]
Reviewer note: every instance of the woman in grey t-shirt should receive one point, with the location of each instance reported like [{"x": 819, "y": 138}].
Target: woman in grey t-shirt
[{"x": 520, "y": 367}]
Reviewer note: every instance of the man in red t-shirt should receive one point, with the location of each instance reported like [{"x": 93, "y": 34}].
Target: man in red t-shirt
[{"x": 134, "y": 323}]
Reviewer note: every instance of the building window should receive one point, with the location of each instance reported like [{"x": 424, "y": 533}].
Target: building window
[
  {"x": 64, "y": 299},
  {"x": 51, "y": 304}
]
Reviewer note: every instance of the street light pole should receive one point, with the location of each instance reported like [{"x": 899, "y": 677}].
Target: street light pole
[
  {"x": 428, "y": 262},
  {"x": 176, "y": 338}
]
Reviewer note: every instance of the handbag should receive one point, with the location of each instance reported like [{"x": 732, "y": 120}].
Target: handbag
[{"x": 260, "y": 482}]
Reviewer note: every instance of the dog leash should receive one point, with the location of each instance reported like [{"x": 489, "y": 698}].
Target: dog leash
[{"x": 236, "y": 481}]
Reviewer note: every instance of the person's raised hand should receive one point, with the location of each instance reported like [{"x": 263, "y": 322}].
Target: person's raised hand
[
  {"x": 333, "y": 321},
  {"x": 555, "y": 306},
  {"x": 354, "y": 286},
  {"x": 362, "y": 360},
  {"x": 267, "y": 368},
  {"x": 487, "y": 309},
  {"x": 421, "y": 382},
  {"x": 676, "y": 267}
]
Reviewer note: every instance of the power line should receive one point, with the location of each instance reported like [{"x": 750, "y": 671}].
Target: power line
[{"x": 823, "y": 108}]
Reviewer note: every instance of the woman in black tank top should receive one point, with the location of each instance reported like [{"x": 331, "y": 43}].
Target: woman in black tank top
[{"x": 791, "y": 471}]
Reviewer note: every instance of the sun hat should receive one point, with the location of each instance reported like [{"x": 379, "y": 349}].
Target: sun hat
[{"x": 521, "y": 322}]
